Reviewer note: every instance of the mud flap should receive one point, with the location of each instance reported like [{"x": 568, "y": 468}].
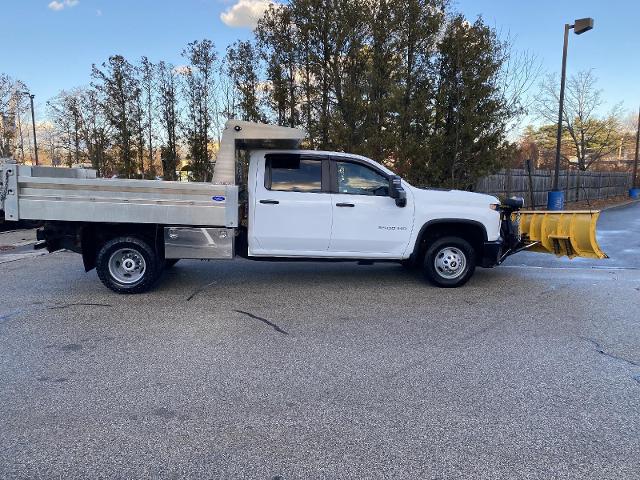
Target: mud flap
[{"x": 570, "y": 233}]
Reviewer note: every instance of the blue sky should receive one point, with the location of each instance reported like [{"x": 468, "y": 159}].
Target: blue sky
[{"x": 51, "y": 44}]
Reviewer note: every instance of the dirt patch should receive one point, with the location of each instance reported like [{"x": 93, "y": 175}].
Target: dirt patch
[{"x": 598, "y": 204}]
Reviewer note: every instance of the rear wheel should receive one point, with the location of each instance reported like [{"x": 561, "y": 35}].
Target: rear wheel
[
  {"x": 127, "y": 265},
  {"x": 449, "y": 262}
]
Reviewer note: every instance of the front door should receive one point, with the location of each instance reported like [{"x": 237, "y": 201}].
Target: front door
[
  {"x": 292, "y": 207},
  {"x": 366, "y": 220}
]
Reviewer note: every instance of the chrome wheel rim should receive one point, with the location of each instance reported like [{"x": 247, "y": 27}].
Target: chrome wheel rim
[
  {"x": 450, "y": 262},
  {"x": 127, "y": 266}
]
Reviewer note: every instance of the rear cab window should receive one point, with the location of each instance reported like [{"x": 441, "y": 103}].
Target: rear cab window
[{"x": 293, "y": 173}]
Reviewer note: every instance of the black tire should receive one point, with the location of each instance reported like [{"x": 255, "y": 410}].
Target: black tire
[
  {"x": 409, "y": 264},
  {"x": 143, "y": 261},
  {"x": 451, "y": 252},
  {"x": 170, "y": 262}
]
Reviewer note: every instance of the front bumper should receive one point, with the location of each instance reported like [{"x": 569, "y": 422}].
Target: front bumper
[{"x": 491, "y": 253}]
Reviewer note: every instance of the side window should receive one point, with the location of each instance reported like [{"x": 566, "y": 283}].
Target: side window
[
  {"x": 293, "y": 173},
  {"x": 357, "y": 179}
]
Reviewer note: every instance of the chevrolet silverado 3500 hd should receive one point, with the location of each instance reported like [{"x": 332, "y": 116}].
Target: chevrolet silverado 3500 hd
[{"x": 290, "y": 203}]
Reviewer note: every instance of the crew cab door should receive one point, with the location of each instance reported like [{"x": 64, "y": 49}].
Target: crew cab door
[
  {"x": 366, "y": 220},
  {"x": 292, "y": 206}
]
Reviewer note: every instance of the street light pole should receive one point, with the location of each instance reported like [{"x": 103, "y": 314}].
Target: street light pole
[
  {"x": 563, "y": 79},
  {"x": 33, "y": 124},
  {"x": 555, "y": 198}
]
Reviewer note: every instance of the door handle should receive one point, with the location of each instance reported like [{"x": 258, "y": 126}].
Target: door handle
[
  {"x": 270, "y": 202},
  {"x": 345, "y": 205}
]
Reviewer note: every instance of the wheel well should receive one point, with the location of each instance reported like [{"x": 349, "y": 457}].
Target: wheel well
[
  {"x": 473, "y": 232},
  {"x": 94, "y": 235}
]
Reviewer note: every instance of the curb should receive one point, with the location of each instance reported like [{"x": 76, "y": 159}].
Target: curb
[{"x": 620, "y": 205}]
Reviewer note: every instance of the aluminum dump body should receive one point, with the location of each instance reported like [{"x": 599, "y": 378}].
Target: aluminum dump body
[{"x": 65, "y": 197}]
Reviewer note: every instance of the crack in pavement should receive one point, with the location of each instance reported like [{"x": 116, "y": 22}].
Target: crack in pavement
[
  {"x": 12, "y": 313},
  {"x": 602, "y": 351},
  {"x": 68, "y": 305},
  {"x": 456, "y": 341},
  {"x": 263, "y": 320},
  {"x": 8, "y": 315},
  {"x": 200, "y": 289}
]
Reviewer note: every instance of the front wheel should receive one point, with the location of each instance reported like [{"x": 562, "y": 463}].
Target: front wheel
[
  {"x": 127, "y": 265},
  {"x": 449, "y": 262}
]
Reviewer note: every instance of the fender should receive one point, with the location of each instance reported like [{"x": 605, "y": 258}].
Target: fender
[{"x": 448, "y": 221}]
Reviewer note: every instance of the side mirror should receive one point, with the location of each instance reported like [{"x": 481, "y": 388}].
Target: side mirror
[{"x": 397, "y": 191}]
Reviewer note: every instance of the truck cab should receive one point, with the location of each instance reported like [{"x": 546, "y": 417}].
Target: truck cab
[{"x": 318, "y": 204}]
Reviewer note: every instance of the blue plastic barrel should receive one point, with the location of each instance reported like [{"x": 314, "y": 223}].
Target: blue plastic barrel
[
  {"x": 634, "y": 193},
  {"x": 555, "y": 200}
]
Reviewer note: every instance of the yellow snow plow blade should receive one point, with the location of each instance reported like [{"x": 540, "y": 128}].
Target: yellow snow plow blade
[{"x": 570, "y": 233}]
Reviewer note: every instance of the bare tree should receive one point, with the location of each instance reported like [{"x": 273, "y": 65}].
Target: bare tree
[
  {"x": 519, "y": 73},
  {"x": 64, "y": 113},
  {"x": 10, "y": 110},
  {"x": 96, "y": 131},
  {"x": 593, "y": 136}
]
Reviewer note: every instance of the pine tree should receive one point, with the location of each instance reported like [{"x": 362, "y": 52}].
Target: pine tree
[
  {"x": 242, "y": 64},
  {"x": 169, "y": 118},
  {"x": 198, "y": 88},
  {"x": 471, "y": 115},
  {"x": 118, "y": 84}
]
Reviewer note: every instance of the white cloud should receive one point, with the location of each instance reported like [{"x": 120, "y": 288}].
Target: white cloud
[
  {"x": 182, "y": 70},
  {"x": 245, "y": 13},
  {"x": 57, "y": 5}
]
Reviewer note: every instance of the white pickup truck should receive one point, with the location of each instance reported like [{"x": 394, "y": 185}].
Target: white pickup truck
[{"x": 289, "y": 203}]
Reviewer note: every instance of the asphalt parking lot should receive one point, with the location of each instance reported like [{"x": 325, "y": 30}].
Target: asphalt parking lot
[{"x": 316, "y": 370}]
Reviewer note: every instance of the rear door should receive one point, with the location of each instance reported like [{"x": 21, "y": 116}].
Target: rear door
[
  {"x": 366, "y": 220},
  {"x": 292, "y": 209}
]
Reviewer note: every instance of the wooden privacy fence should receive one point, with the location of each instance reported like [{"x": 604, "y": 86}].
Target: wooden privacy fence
[{"x": 535, "y": 185}]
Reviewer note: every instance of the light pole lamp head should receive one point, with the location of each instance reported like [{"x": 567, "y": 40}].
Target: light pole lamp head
[{"x": 582, "y": 25}]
